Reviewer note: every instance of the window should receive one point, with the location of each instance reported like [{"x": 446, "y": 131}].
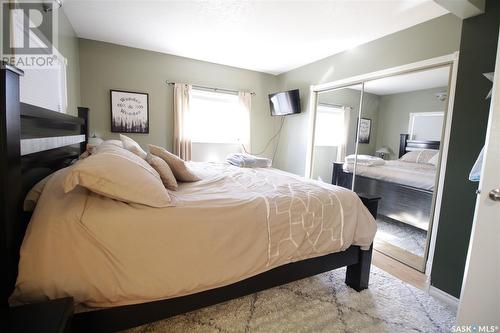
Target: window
[
  {"x": 217, "y": 118},
  {"x": 44, "y": 82},
  {"x": 426, "y": 125},
  {"x": 329, "y": 129}
]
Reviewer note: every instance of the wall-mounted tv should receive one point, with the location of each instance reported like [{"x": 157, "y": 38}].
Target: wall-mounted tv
[{"x": 285, "y": 103}]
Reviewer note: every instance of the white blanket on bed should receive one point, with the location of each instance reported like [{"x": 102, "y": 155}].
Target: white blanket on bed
[
  {"x": 417, "y": 175},
  {"x": 366, "y": 160},
  {"x": 248, "y": 161}
]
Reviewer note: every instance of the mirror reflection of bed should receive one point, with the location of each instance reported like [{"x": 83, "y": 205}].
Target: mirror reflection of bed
[{"x": 388, "y": 147}]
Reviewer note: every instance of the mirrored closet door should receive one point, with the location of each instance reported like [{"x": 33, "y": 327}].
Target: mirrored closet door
[
  {"x": 335, "y": 131},
  {"x": 383, "y": 138}
]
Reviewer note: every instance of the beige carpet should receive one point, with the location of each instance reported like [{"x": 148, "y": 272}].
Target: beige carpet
[{"x": 322, "y": 303}]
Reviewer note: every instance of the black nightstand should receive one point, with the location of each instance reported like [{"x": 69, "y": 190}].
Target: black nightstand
[
  {"x": 370, "y": 201},
  {"x": 50, "y": 316}
]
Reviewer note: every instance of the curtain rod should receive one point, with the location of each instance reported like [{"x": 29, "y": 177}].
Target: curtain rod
[
  {"x": 336, "y": 105},
  {"x": 228, "y": 91}
]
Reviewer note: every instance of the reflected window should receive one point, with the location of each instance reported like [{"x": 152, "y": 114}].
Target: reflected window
[{"x": 329, "y": 130}]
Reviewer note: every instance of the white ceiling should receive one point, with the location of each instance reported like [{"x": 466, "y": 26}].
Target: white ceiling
[
  {"x": 266, "y": 36},
  {"x": 428, "y": 79}
]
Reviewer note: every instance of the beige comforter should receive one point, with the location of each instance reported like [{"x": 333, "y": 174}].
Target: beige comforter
[{"x": 233, "y": 224}]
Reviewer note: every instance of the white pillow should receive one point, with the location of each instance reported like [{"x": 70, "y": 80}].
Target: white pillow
[
  {"x": 419, "y": 156},
  {"x": 133, "y": 146},
  {"x": 426, "y": 155},
  {"x": 434, "y": 160}
]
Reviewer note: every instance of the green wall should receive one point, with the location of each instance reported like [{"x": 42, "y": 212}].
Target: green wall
[
  {"x": 468, "y": 129},
  {"x": 437, "y": 37},
  {"x": 106, "y": 66},
  {"x": 68, "y": 47}
]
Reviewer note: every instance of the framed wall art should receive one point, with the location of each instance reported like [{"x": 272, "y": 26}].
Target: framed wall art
[
  {"x": 129, "y": 112},
  {"x": 364, "y": 130}
]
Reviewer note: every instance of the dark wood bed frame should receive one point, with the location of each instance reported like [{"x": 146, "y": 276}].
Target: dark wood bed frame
[
  {"x": 18, "y": 174},
  {"x": 398, "y": 201}
]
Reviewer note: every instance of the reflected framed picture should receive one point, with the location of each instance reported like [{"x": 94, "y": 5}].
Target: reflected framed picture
[
  {"x": 364, "y": 130},
  {"x": 129, "y": 112}
]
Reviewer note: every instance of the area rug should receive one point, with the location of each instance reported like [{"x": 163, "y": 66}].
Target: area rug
[
  {"x": 402, "y": 235},
  {"x": 322, "y": 303}
]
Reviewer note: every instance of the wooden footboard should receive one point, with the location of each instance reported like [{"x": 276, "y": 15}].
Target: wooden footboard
[
  {"x": 118, "y": 318},
  {"x": 399, "y": 202}
]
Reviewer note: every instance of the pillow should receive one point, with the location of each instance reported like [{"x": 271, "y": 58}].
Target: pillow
[
  {"x": 166, "y": 175},
  {"x": 119, "y": 174},
  {"x": 132, "y": 146},
  {"x": 419, "y": 156},
  {"x": 84, "y": 155},
  {"x": 34, "y": 194},
  {"x": 117, "y": 143},
  {"x": 426, "y": 155},
  {"x": 410, "y": 156},
  {"x": 434, "y": 160},
  {"x": 179, "y": 168},
  {"x": 107, "y": 143}
]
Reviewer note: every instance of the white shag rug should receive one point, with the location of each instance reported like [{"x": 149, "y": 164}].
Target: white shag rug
[
  {"x": 321, "y": 303},
  {"x": 402, "y": 235}
]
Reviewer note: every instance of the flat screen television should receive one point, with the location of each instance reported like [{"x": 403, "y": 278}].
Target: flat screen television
[{"x": 284, "y": 103}]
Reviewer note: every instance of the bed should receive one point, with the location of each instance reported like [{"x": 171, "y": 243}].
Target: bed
[
  {"x": 406, "y": 189},
  {"x": 266, "y": 224}
]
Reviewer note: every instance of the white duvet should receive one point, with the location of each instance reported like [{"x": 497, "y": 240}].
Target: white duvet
[{"x": 419, "y": 175}]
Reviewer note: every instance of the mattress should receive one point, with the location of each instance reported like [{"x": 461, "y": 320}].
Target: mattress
[
  {"x": 231, "y": 225},
  {"x": 419, "y": 175}
]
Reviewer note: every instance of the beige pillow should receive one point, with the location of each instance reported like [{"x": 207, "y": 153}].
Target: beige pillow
[
  {"x": 105, "y": 144},
  {"x": 132, "y": 146},
  {"x": 179, "y": 168},
  {"x": 166, "y": 175},
  {"x": 121, "y": 175},
  {"x": 34, "y": 194},
  {"x": 117, "y": 143}
]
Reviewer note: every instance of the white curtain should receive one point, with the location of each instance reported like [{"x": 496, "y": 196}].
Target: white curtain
[
  {"x": 245, "y": 99},
  {"x": 182, "y": 135},
  {"x": 341, "y": 151}
]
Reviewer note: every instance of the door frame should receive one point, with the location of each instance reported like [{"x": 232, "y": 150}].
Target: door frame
[
  {"x": 479, "y": 294},
  {"x": 446, "y": 60}
]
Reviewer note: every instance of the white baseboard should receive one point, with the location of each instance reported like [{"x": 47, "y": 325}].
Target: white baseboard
[{"x": 443, "y": 296}]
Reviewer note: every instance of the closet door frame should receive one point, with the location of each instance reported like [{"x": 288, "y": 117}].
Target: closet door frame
[{"x": 446, "y": 60}]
